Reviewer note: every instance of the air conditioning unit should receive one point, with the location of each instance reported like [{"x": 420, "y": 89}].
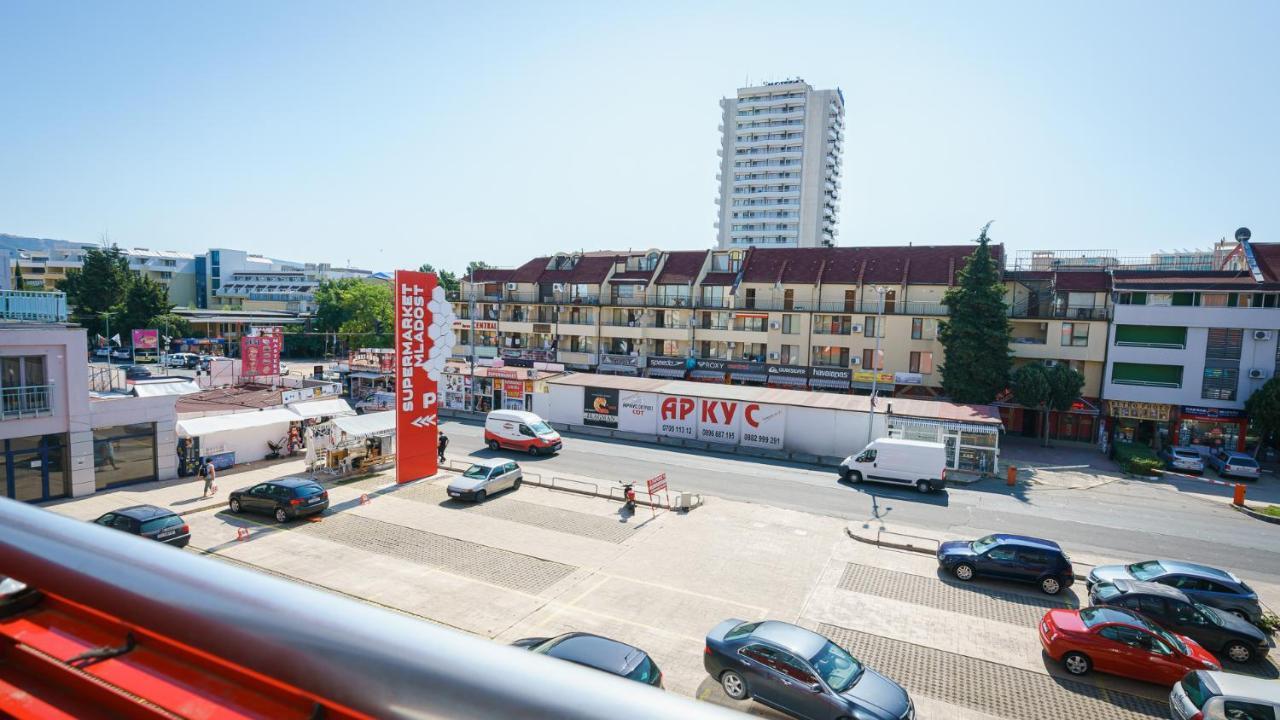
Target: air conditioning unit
[
  {"x": 773, "y": 356},
  {"x": 773, "y": 325},
  {"x": 733, "y": 344},
  {"x": 511, "y": 286},
  {"x": 1044, "y": 326},
  {"x": 1257, "y": 373},
  {"x": 557, "y": 287},
  {"x": 855, "y": 360},
  {"x": 1261, "y": 334},
  {"x": 855, "y": 328}
]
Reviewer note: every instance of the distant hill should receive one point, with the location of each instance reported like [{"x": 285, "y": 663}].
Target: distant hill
[{"x": 18, "y": 242}]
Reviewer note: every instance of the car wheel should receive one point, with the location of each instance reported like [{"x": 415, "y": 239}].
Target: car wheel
[
  {"x": 1077, "y": 663},
  {"x": 281, "y": 515},
  {"x": 1050, "y": 585},
  {"x": 533, "y": 450},
  {"x": 493, "y": 445},
  {"x": 516, "y": 485},
  {"x": 854, "y": 476},
  {"x": 480, "y": 496},
  {"x": 963, "y": 571},
  {"x": 234, "y": 505},
  {"x": 734, "y": 686},
  {"x": 1238, "y": 652},
  {"x": 924, "y": 486}
]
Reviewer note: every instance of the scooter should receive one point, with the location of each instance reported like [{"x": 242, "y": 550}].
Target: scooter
[{"x": 629, "y": 497}]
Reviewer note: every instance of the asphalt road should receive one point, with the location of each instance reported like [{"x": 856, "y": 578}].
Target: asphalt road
[{"x": 1124, "y": 519}]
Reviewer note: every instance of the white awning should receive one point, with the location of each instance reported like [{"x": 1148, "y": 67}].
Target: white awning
[
  {"x": 329, "y": 407},
  {"x": 200, "y": 427},
  {"x": 367, "y": 425},
  {"x": 900, "y": 421},
  {"x": 369, "y": 375},
  {"x": 152, "y": 389}
]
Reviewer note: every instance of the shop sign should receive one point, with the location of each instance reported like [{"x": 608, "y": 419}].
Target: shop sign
[
  {"x": 677, "y": 417},
  {"x": 764, "y": 426},
  {"x": 719, "y": 420},
  {"x": 629, "y": 361},
  {"x": 1158, "y": 412},
  {"x": 600, "y": 407},
  {"x": 503, "y": 372},
  {"x": 1212, "y": 413},
  {"x": 744, "y": 366},
  {"x": 667, "y": 362},
  {"x": 837, "y": 374},
  {"x": 424, "y": 340},
  {"x": 794, "y": 371},
  {"x": 512, "y": 388},
  {"x": 712, "y": 365},
  {"x": 908, "y": 378},
  {"x": 484, "y": 324},
  {"x": 867, "y": 376},
  {"x": 639, "y": 412},
  {"x": 310, "y": 393}
]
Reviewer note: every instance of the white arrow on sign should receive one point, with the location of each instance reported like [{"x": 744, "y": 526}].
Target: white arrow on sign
[{"x": 423, "y": 421}]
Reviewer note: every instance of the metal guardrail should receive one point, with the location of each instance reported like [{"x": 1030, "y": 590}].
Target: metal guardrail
[
  {"x": 25, "y": 401},
  {"x": 31, "y": 306},
  {"x": 880, "y": 532},
  {"x": 338, "y": 651}
]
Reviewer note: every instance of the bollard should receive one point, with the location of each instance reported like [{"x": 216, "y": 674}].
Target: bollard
[
  {"x": 1013, "y": 476},
  {"x": 1239, "y": 498}
]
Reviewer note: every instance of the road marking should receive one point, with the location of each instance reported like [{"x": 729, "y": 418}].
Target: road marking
[{"x": 760, "y": 611}]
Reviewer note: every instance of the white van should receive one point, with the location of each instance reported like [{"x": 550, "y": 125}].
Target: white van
[
  {"x": 899, "y": 462},
  {"x": 520, "y": 430}
]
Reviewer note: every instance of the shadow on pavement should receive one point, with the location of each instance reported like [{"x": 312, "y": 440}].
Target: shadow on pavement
[
  {"x": 1016, "y": 593},
  {"x": 878, "y": 492},
  {"x": 1091, "y": 686}
]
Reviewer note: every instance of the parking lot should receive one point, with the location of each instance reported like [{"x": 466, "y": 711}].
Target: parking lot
[{"x": 539, "y": 562}]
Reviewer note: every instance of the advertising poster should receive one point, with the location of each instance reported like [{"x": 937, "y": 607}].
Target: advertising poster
[
  {"x": 146, "y": 340},
  {"x": 252, "y": 355},
  {"x": 600, "y": 407},
  {"x": 764, "y": 426},
  {"x": 677, "y": 417},
  {"x": 419, "y": 364},
  {"x": 639, "y": 412},
  {"x": 718, "y": 420}
]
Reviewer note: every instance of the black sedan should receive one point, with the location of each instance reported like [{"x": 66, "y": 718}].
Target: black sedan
[
  {"x": 136, "y": 372},
  {"x": 601, "y": 653},
  {"x": 285, "y": 499},
  {"x": 149, "y": 521},
  {"x": 800, "y": 673},
  {"x": 1215, "y": 630}
]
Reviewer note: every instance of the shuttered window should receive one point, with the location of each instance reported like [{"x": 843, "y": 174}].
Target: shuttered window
[
  {"x": 1224, "y": 344},
  {"x": 1220, "y": 383},
  {"x": 1151, "y": 336},
  {"x": 1146, "y": 374}
]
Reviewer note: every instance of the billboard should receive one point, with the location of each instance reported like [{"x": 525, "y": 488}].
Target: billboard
[
  {"x": 764, "y": 426},
  {"x": 600, "y": 407},
  {"x": 252, "y": 356},
  {"x": 424, "y": 340},
  {"x": 146, "y": 340},
  {"x": 677, "y": 417},
  {"x": 638, "y": 412},
  {"x": 718, "y": 420}
]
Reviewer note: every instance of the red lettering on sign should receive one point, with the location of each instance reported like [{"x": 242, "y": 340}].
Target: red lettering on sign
[
  {"x": 729, "y": 410},
  {"x": 750, "y": 414},
  {"x": 709, "y": 412},
  {"x": 676, "y": 408}
]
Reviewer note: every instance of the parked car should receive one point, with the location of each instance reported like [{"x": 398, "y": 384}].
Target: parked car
[
  {"x": 149, "y": 521},
  {"x": 484, "y": 478},
  {"x": 122, "y": 353},
  {"x": 102, "y": 352},
  {"x": 601, "y": 653},
  {"x": 376, "y": 402},
  {"x": 1009, "y": 557},
  {"x": 285, "y": 499},
  {"x": 1233, "y": 464},
  {"x": 1218, "y": 631},
  {"x": 1207, "y": 695},
  {"x": 1182, "y": 458},
  {"x": 1120, "y": 642},
  {"x": 136, "y": 372},
  {"x": 800, "y": 673},
  {"x": 915, "y": 463},
  {"x": 1211, "y": 586},
  {"x": 182, "y": 360},
  {"x": 520, "y": 430}
]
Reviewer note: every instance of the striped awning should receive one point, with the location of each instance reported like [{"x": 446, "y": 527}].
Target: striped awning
[
  {"x": 749, "y": 377},
  {"x": 676, "y": 373},
  {"x": 899, "y": 421},
  {"x": 706, "y": 374},
  {"x": 828, "y": 383},
  {"x": 788, "y": 380}
]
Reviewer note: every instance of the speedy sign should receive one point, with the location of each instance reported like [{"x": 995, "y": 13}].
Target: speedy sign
[
  {"x": 718, "y": 420},
  {"x": 419, "y": 362},
  {"x": 763, "y": 426},
  {"x": 678, "y": 417}
]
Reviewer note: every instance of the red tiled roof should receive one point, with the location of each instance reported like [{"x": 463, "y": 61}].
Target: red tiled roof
[
  {"x": 1268, "y": 257},
  {"x": 238, "y": 397},
  {"x": 1083, "y": 281},
  {"x": 531, "y": 271},
  {"x": 719, "y": 278},
  {"x": 915, "y": 265},
  {"x": 492, "y": 275},
  {"x": 682, "y": 267}
]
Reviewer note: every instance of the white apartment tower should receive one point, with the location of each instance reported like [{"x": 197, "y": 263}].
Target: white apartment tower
[{"x": 780, "y": 155}]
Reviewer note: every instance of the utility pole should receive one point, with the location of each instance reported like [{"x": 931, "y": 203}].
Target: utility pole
[
  {"x": 875, "y": 363},
  {"x": 471, "y": 314}
]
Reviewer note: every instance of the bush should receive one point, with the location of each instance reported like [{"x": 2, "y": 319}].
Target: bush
[{"x": 1137, "y": 459}]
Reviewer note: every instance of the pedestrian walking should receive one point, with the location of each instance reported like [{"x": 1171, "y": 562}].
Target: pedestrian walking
[
  {"x": 210, "y": 474},
  {"x": 442, "y": 444}
]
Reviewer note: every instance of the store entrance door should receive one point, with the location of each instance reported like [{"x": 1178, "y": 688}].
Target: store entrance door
[{"x": 31, "y": 469}]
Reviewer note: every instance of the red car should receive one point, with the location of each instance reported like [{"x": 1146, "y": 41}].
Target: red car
[{"x": 1120, "y": 642}]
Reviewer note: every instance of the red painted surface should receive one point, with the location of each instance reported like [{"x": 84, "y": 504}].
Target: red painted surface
[
  {"x": 416, "y": 393},
  {"x": 1062, "y": 631}
]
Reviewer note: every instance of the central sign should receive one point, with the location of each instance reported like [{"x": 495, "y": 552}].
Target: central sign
[{"x": 424, "y": 341}]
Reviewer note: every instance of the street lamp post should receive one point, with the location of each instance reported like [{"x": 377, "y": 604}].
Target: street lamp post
[{"x": 875, "y": 362}]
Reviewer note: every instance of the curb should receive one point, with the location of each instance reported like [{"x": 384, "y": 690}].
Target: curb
[
  {"x": 1257, "y": 515},
  {"x": 912, "y": 548}
]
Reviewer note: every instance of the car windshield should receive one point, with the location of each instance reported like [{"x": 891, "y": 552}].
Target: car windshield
[
  {"x": 1146, "y": 570},
  {"x": 983, "y": 544},
  {"x": 1208, "y": 612},
  {"x": 1242, "y": 461},
  {"x": 477, "y": 471},
  {"x": 1170, "y": 638},
  {"x": 1187, "y": 454},
  {"x": 303, "y": 491},
  {"x": 541, "y": 428},
  {"x": 161, "y": 523},
  {"x": 838, "y": 668},
  {"x": 1106, "y": 591},
  {"x": 645, "y": 672}
]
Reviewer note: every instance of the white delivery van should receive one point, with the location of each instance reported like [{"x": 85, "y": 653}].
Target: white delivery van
[
  {"x": 520, "y": 430},
  {"x": 920, "y": 464}
]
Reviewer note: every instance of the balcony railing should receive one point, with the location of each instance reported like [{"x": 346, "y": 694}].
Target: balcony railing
[
  {"x": 29, "y": 306},
  {"x": 1065, "y": 312},
  {"x": 25, "y": 401},
  {"x": 774, "y": 304}
]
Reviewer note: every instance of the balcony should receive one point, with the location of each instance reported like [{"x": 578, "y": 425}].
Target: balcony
[
  {"x": 26, "y": 401},
  {"x": 29, "y": 306},
  {"x": 1051, "y": 310}
]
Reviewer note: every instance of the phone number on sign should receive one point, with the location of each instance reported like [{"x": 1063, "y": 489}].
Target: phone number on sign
[{"x": 761, "y": 439}]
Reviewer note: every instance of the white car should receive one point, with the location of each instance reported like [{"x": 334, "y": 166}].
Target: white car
[
  {"x": 914, "y": 463},
  {"x": 1205, "y": 694},
  {"x": 485, "y": 478}
]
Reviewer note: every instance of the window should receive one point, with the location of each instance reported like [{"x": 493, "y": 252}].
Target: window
[
  {"x": 917, "y": 328},
  {"x": 161, "y": 523},
  {"x": 1244, "y": 710},
  {"x": 790, "y": 325},
  {"x": 1146, "y": 374},
  {"x": 1219, "y": 383},
  {"x": 524, "y": 430},
  {"x": 1001, "y": 554},
  {"x": 866, "y": 456},
  {"x": 1213, "y": 299},
  {"x": 750, "y": 301},
  {"x": 124, "y": 454},
  {"x": 868, "y": 360},
  {"x": 1075, "y": 334},
  {"x": 1160, "y": 299},
  {"x": 922, "y": 362},
  {"x": 792, "y": 667},
  {"x": 1125, "y": 635},
  {"x": 1149, "y": 336},
  {"x": 869, "y": 328},
  {"x": 832, "y": 325},
  {"x": 789, "y": 355},
  {"x": 830, "y": 356},
  {"x": 713, "y": 296},
  {"x": 1224, "y": 344}
]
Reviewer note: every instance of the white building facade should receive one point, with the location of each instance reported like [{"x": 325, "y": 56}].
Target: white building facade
[{"x": 781, "y": 155}]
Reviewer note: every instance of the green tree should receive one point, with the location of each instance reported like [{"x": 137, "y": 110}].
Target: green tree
[
  {"x": 358, "y": 312},
  {"x": 144, "y": 301},
  {"x": 1263, "y": 407},
  {"x": 99, "y": 286},
  {"x": 171, "y": 324},
  {"x": 476, "y": 265},
  {"x": 448, "y": 280},
  {"x": 975, "y": 335},
  {"x": 1046, "y": 388},
  {"x": 19, "y": 283}
]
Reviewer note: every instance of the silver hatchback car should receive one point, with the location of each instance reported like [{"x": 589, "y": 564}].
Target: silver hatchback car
[
  {"x": 484, "y": 478},
  {"x": 1205, "y": 694}
]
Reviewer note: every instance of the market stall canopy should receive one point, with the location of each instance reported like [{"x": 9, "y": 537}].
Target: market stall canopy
[
  {"x": 330, "y": 407},
  {"x": 367, "y": 425},
  {"x": 199, "y": 427},
  {"x": 153, "y": 389}
]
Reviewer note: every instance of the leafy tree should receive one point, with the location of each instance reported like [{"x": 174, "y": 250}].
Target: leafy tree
[
  {"x": 448, "y": 280},
  {"x": 476, "y": 265},
  {"x": 171, "y": 324},
  {"x": 144, "y": 301},
  {"x": 360, "y": 312},
  {"x": 19, "y": 283},
  {"x": 99, "y": 286},
  {"x": 975, "y": 335},
  {"x": 1263, "y": 407},
  {"x": 1046, "y": 388}
]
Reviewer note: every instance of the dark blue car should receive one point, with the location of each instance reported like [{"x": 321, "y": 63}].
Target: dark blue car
[
  {"x": 601, "y": 653},
  {"x": 800, "y": 673},
  {"x": 1009, "y": 557}
]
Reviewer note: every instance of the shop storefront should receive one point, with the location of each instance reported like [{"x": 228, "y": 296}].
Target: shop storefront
[
  {"x": 457, "y": 391},
  {"x": 710, "y": 371},
  {"x": 830, "y": 379},
  {"x": 611, "y": 364},
  {"x": 673, "y": 368},
  {"x": 1212, "y": 427},
  {"x": 742, "y": 372},
  {"x": 357, "y": 442},
  {"x": 864, "y": 380},
  {"x": 1139, "y": 422},
  {"x": 971, "y": 447},
  {"x": 787, "y": 377},
  {"x": 124, "y": 454},
  {"x": 506, "y": 388},
  {"x": 33, "y": 469},
  {"x": 1079, "y": 424}
]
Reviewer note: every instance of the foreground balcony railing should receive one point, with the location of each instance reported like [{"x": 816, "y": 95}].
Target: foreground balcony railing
[
  {"x": 25, "y": 401},
  {"x": 175, "y": 633},
  {"x": 29, "y": 306}
]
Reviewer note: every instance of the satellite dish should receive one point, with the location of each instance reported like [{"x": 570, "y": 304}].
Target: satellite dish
[{"x": 1243, "y": 235}]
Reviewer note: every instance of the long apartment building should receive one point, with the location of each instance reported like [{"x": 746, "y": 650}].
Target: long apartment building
[{"x": 781, "y": 151}]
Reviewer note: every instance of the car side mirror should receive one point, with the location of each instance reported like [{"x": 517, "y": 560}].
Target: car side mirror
[{"x": 815, "y": 687}]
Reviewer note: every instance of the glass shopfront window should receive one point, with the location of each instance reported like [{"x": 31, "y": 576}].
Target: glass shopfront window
[
  {"x": 32, "y": 469},
  {"x": 1210, "y": 433},
  {"x": 124, "y": 454}
]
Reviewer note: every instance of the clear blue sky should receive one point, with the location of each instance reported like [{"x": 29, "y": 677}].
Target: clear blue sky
[{"x": 391, "y": 134}]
